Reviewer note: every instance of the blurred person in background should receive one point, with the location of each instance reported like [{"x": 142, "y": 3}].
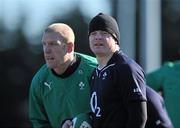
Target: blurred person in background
[
  {"x": 61, "y": 84},
  {"x": 157, "y": 116},
  {"x": 166, "y": 80}
]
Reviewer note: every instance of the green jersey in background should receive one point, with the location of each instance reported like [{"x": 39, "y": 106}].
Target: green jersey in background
[{"x": 167, "y": 80}]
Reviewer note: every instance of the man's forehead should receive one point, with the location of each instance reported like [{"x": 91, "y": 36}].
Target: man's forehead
[
  {"x": 52, "y": 35},
  {"x": 62, "y": 29}
]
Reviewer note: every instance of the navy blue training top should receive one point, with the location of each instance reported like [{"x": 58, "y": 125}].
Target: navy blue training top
[{"x": 114, "y": 89}]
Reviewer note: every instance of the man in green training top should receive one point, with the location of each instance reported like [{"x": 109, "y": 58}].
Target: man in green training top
[
  {"x": 62, "y": 83},
  {"x": 167, "y": 80}
]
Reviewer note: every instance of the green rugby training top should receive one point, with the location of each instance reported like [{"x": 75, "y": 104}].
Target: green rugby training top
[{"x": 53, "y": 99}]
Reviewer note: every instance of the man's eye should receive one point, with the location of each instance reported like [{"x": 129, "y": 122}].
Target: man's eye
[
  {"x": 93, "y": 33},
  {"x": 44, "y": 43},
  {"x": 53, "y": 43},
  {"x": 105, "y": 33}
]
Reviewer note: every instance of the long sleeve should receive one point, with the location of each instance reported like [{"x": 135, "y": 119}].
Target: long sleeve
[
  {"x": 137, "y": 113},
  {"x": 37, "y": 113}
]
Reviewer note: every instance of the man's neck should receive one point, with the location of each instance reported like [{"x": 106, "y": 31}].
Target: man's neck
[
  {"x": 71, "y": 68},
  {"x": 103, "y": 60},
  {"x": 63, "y": 67}
]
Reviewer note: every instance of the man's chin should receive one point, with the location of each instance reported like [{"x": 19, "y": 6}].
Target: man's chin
[
  {"x": 99, "y": 53},
  {"x": 50, "y": 66}
]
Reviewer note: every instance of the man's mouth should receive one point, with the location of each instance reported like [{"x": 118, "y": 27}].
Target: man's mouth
[
  {"x": 49, "y": 58},
  {"x": 98, "y": 44}
]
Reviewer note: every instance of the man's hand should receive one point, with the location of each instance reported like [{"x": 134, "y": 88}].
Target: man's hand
[
  {"x": 67, "y": 124},
  {"x": 85, "y": 125}
]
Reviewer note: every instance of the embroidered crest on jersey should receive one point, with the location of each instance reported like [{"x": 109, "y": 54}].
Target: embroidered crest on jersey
[
  {"x": 104, "y": 75},
  {"x": 81, "y": 85}
]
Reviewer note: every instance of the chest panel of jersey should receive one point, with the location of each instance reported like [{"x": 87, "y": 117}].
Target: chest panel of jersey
[{"x": 65, "y": 94}]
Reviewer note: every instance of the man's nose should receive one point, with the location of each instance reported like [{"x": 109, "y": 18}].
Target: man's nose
[
  {"x": 98, "y": 36},
  {"x": 47, "y": 49}
]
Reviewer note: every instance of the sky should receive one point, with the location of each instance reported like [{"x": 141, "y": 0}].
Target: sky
[{"x": 39, "y": 12}]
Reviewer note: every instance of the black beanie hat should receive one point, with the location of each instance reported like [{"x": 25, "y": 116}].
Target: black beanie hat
[{"x": 106, "y": 23}]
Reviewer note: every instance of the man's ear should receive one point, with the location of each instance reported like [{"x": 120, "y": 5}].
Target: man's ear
[{"x": 70, "y": 47}]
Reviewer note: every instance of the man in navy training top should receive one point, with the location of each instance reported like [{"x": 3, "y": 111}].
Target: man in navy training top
[{"x": 118, "y": 95}]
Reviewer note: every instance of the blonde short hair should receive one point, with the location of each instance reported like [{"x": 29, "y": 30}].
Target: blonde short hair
[{"x": 63, "y": 30}]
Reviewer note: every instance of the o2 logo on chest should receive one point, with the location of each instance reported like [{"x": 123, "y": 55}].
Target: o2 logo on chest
[{"x": 95, "y": 109}]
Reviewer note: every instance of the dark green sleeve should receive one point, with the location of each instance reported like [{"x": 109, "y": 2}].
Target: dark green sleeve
[{"x": 37, "y": 114}]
